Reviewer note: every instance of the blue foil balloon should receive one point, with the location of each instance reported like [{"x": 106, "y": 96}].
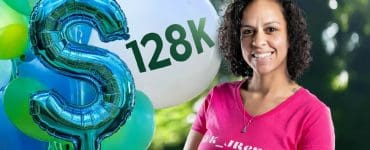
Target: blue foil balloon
[
  {"x": 80, "y": 34},
  {"x": 74, "y": 91},
  {"x": 85, "y": 125}
]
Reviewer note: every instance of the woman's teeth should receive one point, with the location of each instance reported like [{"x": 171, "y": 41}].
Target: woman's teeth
[{"x": 262, "y": 55}]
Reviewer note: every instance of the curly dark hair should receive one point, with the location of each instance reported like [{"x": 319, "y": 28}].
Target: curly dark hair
[{"x": 300, "y": 44}]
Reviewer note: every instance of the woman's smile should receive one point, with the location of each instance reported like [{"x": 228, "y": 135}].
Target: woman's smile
[{"x": 262, "y": 58}]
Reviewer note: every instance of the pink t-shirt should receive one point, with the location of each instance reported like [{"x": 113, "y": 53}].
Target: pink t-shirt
[{"x": 300, "y": 122}]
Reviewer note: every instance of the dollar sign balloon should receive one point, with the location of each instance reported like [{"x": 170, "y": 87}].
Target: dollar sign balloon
[{"x": 85, "y": 125}]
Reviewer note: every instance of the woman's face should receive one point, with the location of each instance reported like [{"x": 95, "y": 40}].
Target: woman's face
[{"x": 264, "y": 39}]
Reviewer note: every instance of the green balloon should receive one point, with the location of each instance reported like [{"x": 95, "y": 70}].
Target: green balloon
[
  {"x": 135, "y": 134},
  {"x": 13, "y": 33},
  {"x": 17, "y": 107},
  {"x": 9, "y": 16},
  {"x": 22, "y": 6},
  {"x": 13, "y": 41}
]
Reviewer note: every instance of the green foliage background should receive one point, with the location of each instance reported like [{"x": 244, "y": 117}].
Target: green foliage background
[{"x": 339, "y": 76}]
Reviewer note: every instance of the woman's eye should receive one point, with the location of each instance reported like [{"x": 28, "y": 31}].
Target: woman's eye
[
  {"x": 271, "y": 29},
  {"x": 247, "y": 32}
]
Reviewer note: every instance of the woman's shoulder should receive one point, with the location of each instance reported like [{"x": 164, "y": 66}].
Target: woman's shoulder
[{"x": 311, "y": 100}]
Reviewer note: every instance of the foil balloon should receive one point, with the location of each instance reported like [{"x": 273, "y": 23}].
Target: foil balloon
[
  {"x": 84, "y": 125},
  {"x": 79, "y": 33},
  {"x": 135, "y": 135},
  {"x": 74, "y": 91}
]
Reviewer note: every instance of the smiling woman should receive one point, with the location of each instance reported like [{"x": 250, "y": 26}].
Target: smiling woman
[
  {"x": 266, "y": 42},
  {"x": 264, "y": 39}
]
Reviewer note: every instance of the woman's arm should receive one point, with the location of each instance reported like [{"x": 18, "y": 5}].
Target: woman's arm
[{"x": 193, "y": 140}]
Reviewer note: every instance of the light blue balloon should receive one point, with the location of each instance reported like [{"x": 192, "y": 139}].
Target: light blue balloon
[
  {"x": 85, "y": 125},
  {"x": 5, "y": 72}
]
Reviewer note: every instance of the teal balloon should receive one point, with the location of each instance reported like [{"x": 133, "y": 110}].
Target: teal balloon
[
  {"x": 136, "y": 134},
  {"x": 138, "y": 131},
  {"x": 21, "y": 6}
]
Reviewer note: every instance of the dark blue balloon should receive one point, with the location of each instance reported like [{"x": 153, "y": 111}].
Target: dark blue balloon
[
  {"x": 27, "y": 142},
  {"x": 13, "y": 139},
  {"x": 8, "y": 132}
]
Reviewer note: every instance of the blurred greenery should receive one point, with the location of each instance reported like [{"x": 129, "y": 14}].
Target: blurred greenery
[
  {"x": 171, "y": 127},
  {"x": 339, "y": 75}
]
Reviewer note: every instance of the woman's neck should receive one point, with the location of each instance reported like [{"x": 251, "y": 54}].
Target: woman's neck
[{"x": 265, "y": 84}]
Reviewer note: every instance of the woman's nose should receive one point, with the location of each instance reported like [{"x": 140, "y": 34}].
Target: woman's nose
[{"x": 259, "y": 40}]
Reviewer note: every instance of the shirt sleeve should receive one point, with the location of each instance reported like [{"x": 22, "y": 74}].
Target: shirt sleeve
[
  {"x": 319, "y": 131},
  {"x": 200, "y": 124}
]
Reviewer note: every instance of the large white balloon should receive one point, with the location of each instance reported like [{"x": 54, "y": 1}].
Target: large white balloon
[{"x": 172, "y": 49}]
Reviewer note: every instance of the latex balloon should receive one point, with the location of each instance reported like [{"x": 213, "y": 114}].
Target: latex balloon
[
  {"x": 138, "y": 131},
  {"x": 136, "y": 134},
  {"x": 17, "y": 107},
  {"x": 12, "y": 138},
  {"x": 6, "y": 72},
  {"x": 28, "y": 55},
  {"x": 9, "y": 35},
  {"x": 171, "y": 52},
  {"x": 22, "y": 6},
  {"x": 9, "y": 16},
  {"x": 85, "y": 125},
  {"x": 13, "y": 29},
  {"x": 8, "y": 136}
]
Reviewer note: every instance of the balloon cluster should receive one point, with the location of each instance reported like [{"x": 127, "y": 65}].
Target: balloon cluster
[{"x": 55, "y": 88}]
